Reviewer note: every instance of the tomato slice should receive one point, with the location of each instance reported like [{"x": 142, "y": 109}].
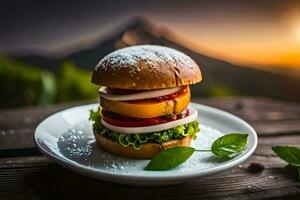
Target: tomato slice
[{"x": 124, "y": 121}]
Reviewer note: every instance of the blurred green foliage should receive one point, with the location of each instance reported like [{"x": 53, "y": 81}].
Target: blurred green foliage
[
  {"x": 23, "y": 84},
  {"x": 216, "y": 89},
  {"x": 74, "y": 83}
]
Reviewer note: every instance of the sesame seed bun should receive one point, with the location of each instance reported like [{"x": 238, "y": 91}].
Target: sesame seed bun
[
  {"x": 147, "y": 151},
  {"x": 146, "y": 67}
]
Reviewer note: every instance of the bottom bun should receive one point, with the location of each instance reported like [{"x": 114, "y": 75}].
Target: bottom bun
[{"x": 147, "y": 151}]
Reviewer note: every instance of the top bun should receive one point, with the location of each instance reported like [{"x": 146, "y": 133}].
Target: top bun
[{"x": 146, "y": 67}]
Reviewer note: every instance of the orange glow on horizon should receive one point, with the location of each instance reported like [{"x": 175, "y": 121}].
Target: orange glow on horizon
[
  {"x": 258, "y": 43},
  {"x": 267, "y": 56},
  {"x": 282, "y": 54}
]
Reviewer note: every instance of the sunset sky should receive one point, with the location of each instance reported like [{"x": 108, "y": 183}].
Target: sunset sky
[
  {"x": 259, "y": 33},
  {"x": 255, "y": 34}
]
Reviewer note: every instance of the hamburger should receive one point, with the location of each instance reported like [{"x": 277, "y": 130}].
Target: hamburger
[{"x": 144, "y": 101}]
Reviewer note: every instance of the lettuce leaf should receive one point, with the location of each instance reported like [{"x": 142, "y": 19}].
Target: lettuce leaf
[
  {"x": 136, "y": 140},
  {"x": 95, "y": 117}
]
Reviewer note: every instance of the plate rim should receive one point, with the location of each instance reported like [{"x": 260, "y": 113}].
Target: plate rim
[{"x": 96, "y": 173}]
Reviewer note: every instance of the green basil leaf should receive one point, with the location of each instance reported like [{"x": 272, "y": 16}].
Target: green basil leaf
[
  {"x": 229, "y": 145},
  {"x": 299, "y": 173},
  {"x": 290, "y": 154},
  {"x": 169, "y": 158}
]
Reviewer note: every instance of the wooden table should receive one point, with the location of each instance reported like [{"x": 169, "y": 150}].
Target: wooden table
[{"x": 26, "y": 174}]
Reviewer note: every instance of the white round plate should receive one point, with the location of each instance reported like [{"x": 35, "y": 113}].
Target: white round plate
[{"x": 66, "y": 137}]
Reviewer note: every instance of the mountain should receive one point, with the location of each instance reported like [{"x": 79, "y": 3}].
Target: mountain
[{"x": 220, "y": 77}]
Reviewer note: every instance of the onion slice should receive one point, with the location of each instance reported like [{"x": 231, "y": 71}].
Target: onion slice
[
  {"x": 153, "y": 128},
  {"x": 137, "y": 96}
]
